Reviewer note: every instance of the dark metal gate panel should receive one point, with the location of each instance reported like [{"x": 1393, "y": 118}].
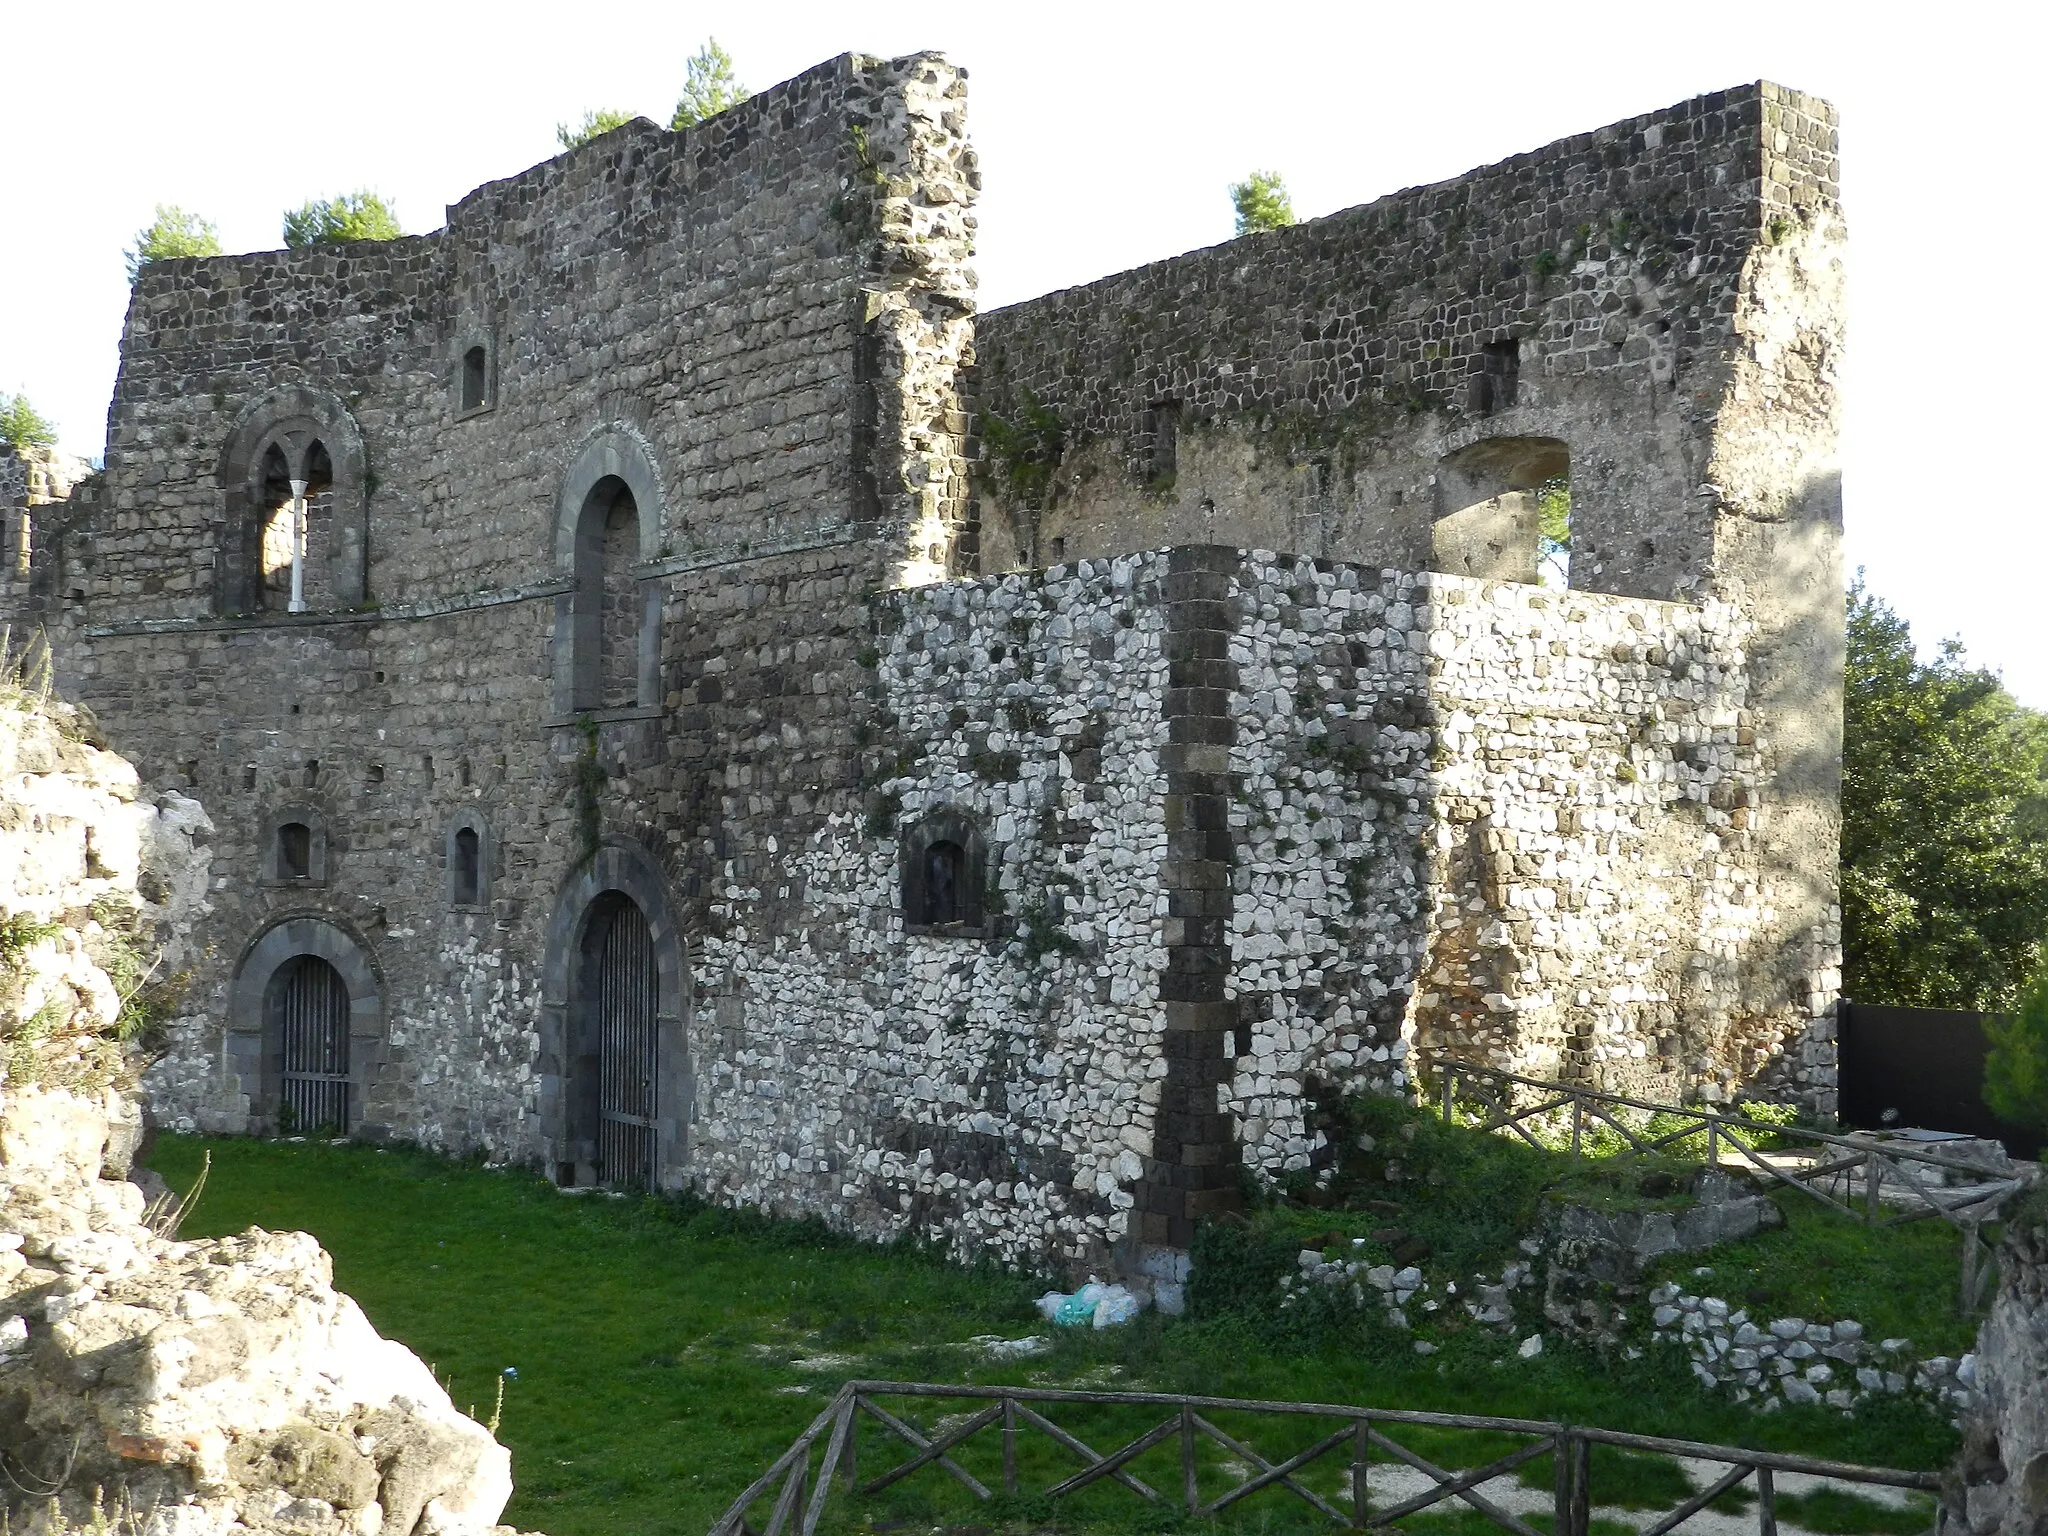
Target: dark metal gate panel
[
  {"x": 626, "y": 1051},
  {"x": 314, "y": 1021},
  {"x": 1921, "y": 1067}
]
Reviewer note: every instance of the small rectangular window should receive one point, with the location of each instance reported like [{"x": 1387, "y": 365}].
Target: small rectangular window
[{"x": 1496, "y": 377}]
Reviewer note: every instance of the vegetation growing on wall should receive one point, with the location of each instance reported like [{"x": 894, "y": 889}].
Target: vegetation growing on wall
[
  {"x": 588, "y": 775},
  {"x": 1262, "y": 203},
  {"x": 22, "y": 425},
  {"x": 709, "y": 86},
  {"x": 595, "y": 124},
  {"x": 173, "y": 233},
  {"x": 336, "y": 220},
  {"x": 1025, "y": 448}
]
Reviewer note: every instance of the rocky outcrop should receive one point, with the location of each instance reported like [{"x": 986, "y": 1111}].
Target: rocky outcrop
[
  {"x": 180, "y": 1388},
  {"x": 209, "y": 1386},
  {"x": 1999, "y": 1486}
]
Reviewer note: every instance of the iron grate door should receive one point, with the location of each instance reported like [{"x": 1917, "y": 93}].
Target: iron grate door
[
  {"x": 314, "y": 1021},
  {"x": 625, "y": 1011}
]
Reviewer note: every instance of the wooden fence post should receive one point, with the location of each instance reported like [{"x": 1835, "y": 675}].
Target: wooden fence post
[
  {"x": 1873, "y": 1179},
  {"x": 1449, "y": 1080},
  {"x": 1187, "y": 1458},
  {"x": 852, "y": 1444},
  {"x": 1361, "y": 1449},
  {"x": 1582, "y": 1480},
  {"x": 1713, "y": 1143},
  {"x": 1009, "y": 1444},
  {"x": 1766, "y": 1503},
  {"x": 1578, "y": 1115}
]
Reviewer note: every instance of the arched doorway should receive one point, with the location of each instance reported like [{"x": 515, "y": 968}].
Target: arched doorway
[
  {"x": 621, "y": 1061},
  {"x": 308, "y": 1015},
  {"x": 305, "y": 1031},
  {"x": 615, "y": 1072}
]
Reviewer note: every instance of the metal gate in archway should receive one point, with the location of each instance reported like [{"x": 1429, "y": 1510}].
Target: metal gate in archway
[
  {"x": 626, "y": 991},
  {"x": 313, "y": 1024}
]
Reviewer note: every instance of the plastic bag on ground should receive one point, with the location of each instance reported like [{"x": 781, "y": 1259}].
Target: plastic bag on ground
[{"x": 1103, "y": 1306}]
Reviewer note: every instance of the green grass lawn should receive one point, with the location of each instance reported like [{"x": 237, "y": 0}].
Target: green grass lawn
[{"x": 666, "y": 1353}]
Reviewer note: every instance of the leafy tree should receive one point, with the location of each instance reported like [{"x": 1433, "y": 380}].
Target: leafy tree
[
  {"x": 2016, "y": 1070},
  {"x": 1944, "y": 840},
  {"x": 173, "y": 233},
  {"x": 709, "y": 86},
  {"x": 602, "y": 121},
  {"x": 23, "y": 426},
  {"x": 351, "y": 216},
  {"x": 1262, "y": 203}
]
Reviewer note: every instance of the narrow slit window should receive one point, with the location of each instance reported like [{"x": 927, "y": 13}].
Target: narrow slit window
[
  {"x": 468, "y": 867},
  {"x": 474, "y": 379}
]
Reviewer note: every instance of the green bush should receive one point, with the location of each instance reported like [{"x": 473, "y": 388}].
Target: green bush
[
  {"x": 709, "y": 87},
  {"x": 1262, "y": 203},
  {"x": 173, "y": 233},
  {"x": 2016, "y": 1070},
  {"x": 594, "y": 125},
  {"x": 337, "y": 220},
  {"x": 23, "y": 426}
]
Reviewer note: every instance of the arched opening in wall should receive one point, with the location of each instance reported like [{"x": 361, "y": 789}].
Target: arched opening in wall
[
  {"x": 608, "y": 598},
  {"x": 616, "y": 1048},
  {"x": 294, "y": 851},
  {"x": 943, "y": 869},
  {"x": 308, "y": 1008},
  {"x": 467, "y": 871},
  {"x": 297, "y": 530},
  {"x": 1504, "y": 511}
]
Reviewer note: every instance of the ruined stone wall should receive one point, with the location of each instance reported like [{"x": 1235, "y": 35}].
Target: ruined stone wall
[
  {"x": 1506, "y": 824},
  {"x": 1302, "y": 389},
  {"x": 1246, "y": 827},
  {"x": 764, "y": 310},
  {"x": 1651, "y": 312}
]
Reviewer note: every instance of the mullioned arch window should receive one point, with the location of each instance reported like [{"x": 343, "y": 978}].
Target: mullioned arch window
[
  {"x": 942, "y": 871},
  {"x": 608, "y": 520},
  {"x": 295, "y": 528}
]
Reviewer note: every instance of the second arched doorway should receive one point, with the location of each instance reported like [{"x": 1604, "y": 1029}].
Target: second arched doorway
[
  {"x": 617, "y": 1066},
  {"x": 615, "y": 1072}
]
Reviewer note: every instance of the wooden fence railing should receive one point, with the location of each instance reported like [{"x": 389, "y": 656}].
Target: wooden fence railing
[
  {"x": 1841, "y": 1165},
  {"x": 802, "y": 1481}
]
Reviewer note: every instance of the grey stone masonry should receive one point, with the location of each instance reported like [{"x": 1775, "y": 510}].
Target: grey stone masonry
[{"x": 1007, "y": 834}]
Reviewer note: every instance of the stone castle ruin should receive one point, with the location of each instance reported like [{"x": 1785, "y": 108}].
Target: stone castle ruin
[{"x": 685, "y": 700}]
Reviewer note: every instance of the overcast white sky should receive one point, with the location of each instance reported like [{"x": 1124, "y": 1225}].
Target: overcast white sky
[{"x": 1107, "y": 135}]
